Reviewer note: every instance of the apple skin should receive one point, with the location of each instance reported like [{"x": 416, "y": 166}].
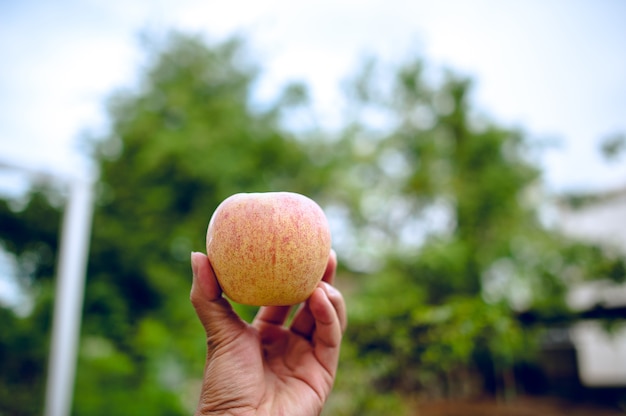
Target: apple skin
[{"x": 268, "y": 249}]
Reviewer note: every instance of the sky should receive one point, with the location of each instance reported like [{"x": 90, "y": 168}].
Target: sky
[{"x": 555, "y": 68}]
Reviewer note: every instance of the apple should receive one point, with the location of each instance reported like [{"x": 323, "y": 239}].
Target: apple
[{"x": 268, "y": 248}]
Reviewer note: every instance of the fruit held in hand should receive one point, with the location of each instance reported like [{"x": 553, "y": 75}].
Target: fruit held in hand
[{"x": 268, "y": 248}]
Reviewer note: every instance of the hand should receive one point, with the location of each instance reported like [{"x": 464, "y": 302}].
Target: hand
[{"x": 265, "y": 367}]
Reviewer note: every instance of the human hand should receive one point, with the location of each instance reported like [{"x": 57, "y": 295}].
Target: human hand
[{"x": 266, "y": 368}]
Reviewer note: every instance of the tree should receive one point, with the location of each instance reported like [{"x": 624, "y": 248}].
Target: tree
[
  {"x": 178, "y": 146},
  {"x": 450, "y": 202},
  {"x": 182, "y": 141},
  {"x": 28, "y": 233}
]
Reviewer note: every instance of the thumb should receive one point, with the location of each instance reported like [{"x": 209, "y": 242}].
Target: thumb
[{"x": 217, "y": 316}]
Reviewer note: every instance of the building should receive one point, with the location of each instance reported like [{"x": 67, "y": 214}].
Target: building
[{"x": 600, "y": 355}]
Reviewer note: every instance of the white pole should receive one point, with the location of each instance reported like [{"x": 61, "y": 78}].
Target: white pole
[{"x": 68, "y": 302}]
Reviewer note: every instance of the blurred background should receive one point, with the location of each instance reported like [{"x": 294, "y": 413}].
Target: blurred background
[{"x": 470, "y": 157}]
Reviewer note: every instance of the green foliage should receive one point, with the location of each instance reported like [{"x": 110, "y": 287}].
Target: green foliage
[
  {"x": 178, "y": 146},
  {"x": 24, "y": 344},
  {"x": 180, "y": 143},
  {"x": 35, "y": 214},
  {"x": 457, "y": 217},
  {"x": 613, "y": 146},
  {"x": 29, "y": 232}
]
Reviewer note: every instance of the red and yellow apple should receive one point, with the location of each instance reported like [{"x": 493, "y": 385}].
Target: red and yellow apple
[{"x": 268, "y": 248}]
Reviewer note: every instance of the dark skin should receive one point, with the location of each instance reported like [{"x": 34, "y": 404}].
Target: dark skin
[{"x": 268, "y": 368}]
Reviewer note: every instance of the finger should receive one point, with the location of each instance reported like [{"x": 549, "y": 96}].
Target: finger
[
  {"x": 339, "y": 304},
  {"x": 271, "y": 315},
  {"x": 331, "y": 268},
  {"x": 219, "y": 320},
  {"x": 303, "y": 322},
  {"x": 205, "y": 285},
  {"x": 328, "y": 327}
]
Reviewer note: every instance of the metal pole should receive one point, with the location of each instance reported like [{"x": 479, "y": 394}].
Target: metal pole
[{"x": 68, "y": 302}]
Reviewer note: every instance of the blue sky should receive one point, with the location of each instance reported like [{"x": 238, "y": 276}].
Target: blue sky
[{"x": 555, "y": 68}]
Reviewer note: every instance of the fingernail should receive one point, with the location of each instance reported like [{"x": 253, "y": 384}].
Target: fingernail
[
  {"x": 330, "y": 289},
  {"x": 194, "y": 265}
]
